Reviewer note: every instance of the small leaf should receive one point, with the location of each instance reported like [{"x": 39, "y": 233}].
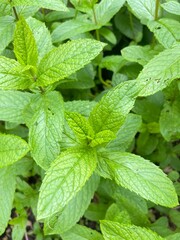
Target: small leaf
[
  {"x": 67, "y": 59},
  {"x": 72, "y": 166},
  {"x": 7, "y": 190},
  {"x": 160, "y": 71},
  {"x": 172, "y": 7},
  {"x": 13, "y": 75},
  {"x": 12, "y": 148},
  {"x": 102, "y": 137},
  {"x": 24, "y": 44},
  {"x": 45, "y": 130},
  {"x": 74, "y": 210},
  {"x": 142, "y": 177},
  {"x": 114, "y": 230}
]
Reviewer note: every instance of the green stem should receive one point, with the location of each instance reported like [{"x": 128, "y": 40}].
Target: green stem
[
  {"x": 15, "y": 13},
  {"x": 156, "y": 10}
]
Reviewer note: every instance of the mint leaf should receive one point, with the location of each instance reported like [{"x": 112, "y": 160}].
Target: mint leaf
[
  {"x": 74, "y": 210},
  {"x": 136, "y": 174},
  {"x": 72, "y": 166},
  {"x": 6, "y": 31},
  {"x": 12, "y": 104},
  {"x": 79, "y": 232},
  {"x": 67, "y": 59},
  {"x": 160, "y": 71},
  {"x": 142, "y": 9},
  {"x": 167, "y": 31},
  {"x": 45, "y": 130},
  {"x": 114, "y": 230},
  {"x": 7, "y": 190},
  {"x": 13, "y": 75},
  {"x": 24, "y": 44},
  {"x": 57, "y": 5},
  {"x": 172, "y": 7},
  {"x": 111, "y": 111},
  {"x": 104, "y": 136},
  {"x": 12, "y": 148}
]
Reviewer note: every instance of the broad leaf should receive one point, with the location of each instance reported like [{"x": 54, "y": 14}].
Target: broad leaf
[
  {"x": 67, "y": 59},
  {"x": 111, "y": 111},
  {"x": 24, "y": 44},
  {"x": 41, "y": 35},
  {"x": 167, "y": 31},
  {"x": 126, "y": 133},
  {"x": 172, "y": 7},
  {"x": 116, "y": 231},
  {"x": 113, "y": 63},
  {"x": 102, "y": 137},
  {"x": 142, "y": 9},
  {"x": 80, "y": 232},
  {"x": 106, "y": 9},
  {"x": 13, "y": 75},
  {"x": 57, "y": 5},
  {"x": 12, "y": 104},
  {"x": 12, "y": 148},
  {"x": 142, "y": 177},
  {"x": 72, "y": 166},
  {"x": 160, "y": 71},
  {"x": 45, "y": 130},
  {"x": 7, "y": 190},
  {"x": 74, "y": 210},
  {"x": 6, "y": 31}
]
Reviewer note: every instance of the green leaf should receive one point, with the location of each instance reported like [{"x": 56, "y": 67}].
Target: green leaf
[
  {"x": 41, "y": 35},
  {"x": 104, "y": 136},
  {"x": 170, "y": 121},
  {"x": 126, "y": 133},
  {"x": 57, "y": 5},
  {"x": 160, "y": 71},
  {"x": 80, "y": 125},
  {"x": 6, "y": 31},
  {"x": 111, "y": 111},
  {"x": 139, "y": 54},
  {"x": 167, "y": 31},
  {"x": 13, "y": 75},
  {"x": 80, "y": 232},
  {"x": 7, "y": 190},
  {"x": 72, "y": 166},
  {"x": 67, "y": 59},
  {"x": 106, "y": 9},
  {"x": 172, "y": 7},
  {"x": 74, "y": 210},
  {"x": 174, "y": 236},
  {"x": 12, "y": 104},
  {"x": 142, "y": 9},
  {"x": 142, "y": 177},
  {"x": 116, "y": 231},
  {"x": 12, "y": 148},
  {"x": 45, "y": 130},
  {"x": 113, "y": 63},
  {"x": 24, "y": 44}
]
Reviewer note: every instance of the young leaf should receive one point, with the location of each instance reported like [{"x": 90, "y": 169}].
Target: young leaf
[
  {"x": 13, "y": 75},
  {"x": 45, "y": 130},
  {"x": 57, "y": 5},
  {"x": 74, "y": 210},
  {"x": 142, "y": 9},
  {"x": 79, "y": 232},
  {"x": 142, "y": 177},
  {"x": 6, "y": 31},
  {"x": 160, "y": 71},
  {"x": 106, "y": 9},
  {"x": 80, "y": 125},
  {"x": 114, "y": 230},
  {"x": 172, "y": 7},
  {"x": 167, "y": 31},
  {"x": 12, "y": 104},
  {"x": 67, "y": 59},
  {"x": 7, "y": 190},
  {"x": 12, "y": 148},
  {"x": 104, "y": 136},
  {"x": 24, "y": 44},
  {"x": 72, "y": 166},
  {"x": 111, "y": 111}
]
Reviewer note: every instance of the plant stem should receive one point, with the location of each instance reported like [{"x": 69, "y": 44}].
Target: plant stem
[
  {"x": 15, "y": 12},
  {"x": 156, "y": 10}
]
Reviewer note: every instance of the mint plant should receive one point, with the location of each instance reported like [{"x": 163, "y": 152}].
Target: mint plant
[{"x": 89, "y": 110}]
